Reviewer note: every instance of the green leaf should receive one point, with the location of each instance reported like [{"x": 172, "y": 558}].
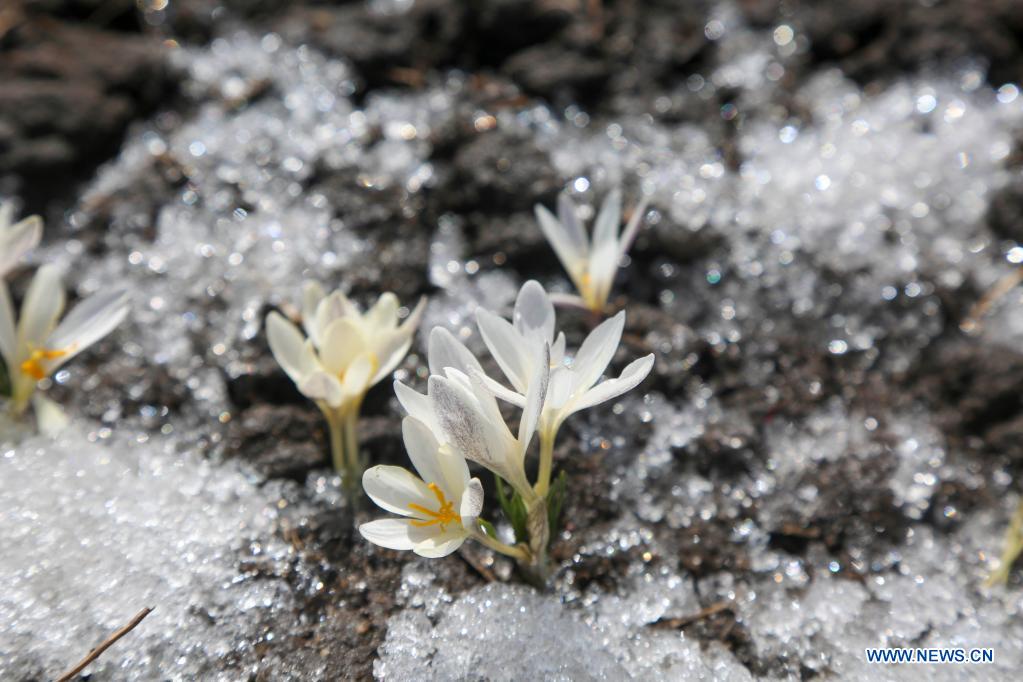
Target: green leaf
[
  {"x": 555, "y": 502},
  {"x": 488, "y": 528},
  {"x": 514, "y": 510},
  {"x": 5, "y": 381}
]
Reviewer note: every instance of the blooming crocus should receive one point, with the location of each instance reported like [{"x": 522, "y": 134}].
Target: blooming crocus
[
  {"x": 439, "y": 508},
  {"x": 464, "y": 416},
  {"x": 343, "y": 353},
  {"x": 592, "y": 264},
  {"x": 16, "y": 239},
  {"x": 37, "y": 346},
  {"x": 573, "y": 386}
]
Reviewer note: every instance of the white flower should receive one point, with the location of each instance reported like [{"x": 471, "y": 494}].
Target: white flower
[
  {"x": 346, "y": 351},
  {"x": 440, "y": 507},
  {"x": 16, "y": 239},
  {"x": 463, "y": 414},
  {"x": 573, "y": 386},
  {"x": 38, "y": 346},
  {"x": 592, "y": 265}
]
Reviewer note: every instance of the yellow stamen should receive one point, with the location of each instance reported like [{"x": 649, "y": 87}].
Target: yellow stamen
[
  {"x": 444, "y": 514},
  {"x": 33, "y": 366}
]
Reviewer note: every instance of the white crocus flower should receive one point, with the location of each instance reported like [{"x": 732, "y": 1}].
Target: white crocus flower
[
  {"x": 463, "y": 413},
  {"x": 592, "y": 264},
  {"x": 343, "y": 354},
  {"x": 16, "y": 239},
  {"x": 37, "y": 346},
  {"x": 439, "y": 508},
  {"x": 573, "y": 386}
]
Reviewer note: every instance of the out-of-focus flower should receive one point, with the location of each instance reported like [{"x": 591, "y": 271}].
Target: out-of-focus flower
[
  {"x": 591, "y": 263},
  {"x": 37, "y": 346},
  {"x": 16, "y": 239},
  {"x": 343, "y": 354},
  {"x": 439, "y": 507}
]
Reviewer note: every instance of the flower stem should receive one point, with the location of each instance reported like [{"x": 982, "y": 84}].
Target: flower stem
[
  {"x": 343, "y": 427},
  {"x": 543, "y": 476},
  {"x": 516, "y": 552},
  {"x": 1013, "y": 548}
]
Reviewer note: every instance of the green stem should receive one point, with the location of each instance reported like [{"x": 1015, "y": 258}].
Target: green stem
[
  {"x": 352, "y": 441},
  {"x": 343, "y": 427},
  {"x": 520, "y": 554},
  {"x": 543, "y": 476},
  {"x": 1013, "y": 548}
]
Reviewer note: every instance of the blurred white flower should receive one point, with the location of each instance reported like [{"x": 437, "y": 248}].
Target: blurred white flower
[
  {"x": 463, "y": 414},
  {"x": 439, "y": 508},
  {"x": 37, "y": 346},
  {"x": 573, "y": 385},
  {"x": 16, "y": 239},
  {"x": 344, "y": 353},
  {"x": 592, "y": 264}
]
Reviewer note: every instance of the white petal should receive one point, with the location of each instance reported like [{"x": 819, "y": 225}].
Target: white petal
[
  {"x": 502, "y": 393},
  {"x": 534, "y": 398},
  {"x": 534, "y": 313},
  {"x": 632, "y": 229},
  {"x": 447, "y": 351},
  {"x": 561, "y": 387},
  {"x": 411, "y": 322},
  {"x": 312, "y": 295},
  {"x": 507, "y": 346},
  {"x": 603, "y": 270},
  {"x": 8, "y": 332},
  {"x": 383, "y": 316},
  {"x": 289, "y": 348},
  {"x": 390, "y": 354},
  {"x": 49, "y": 415},
  {"x": 569, "y": 218},
  {"x": 319, "y": 385},
  {"x": 395, "y": 489},
  {"x": 631, "y": 377},
  {"x": 424, "y": 451},
  {"x": 597, "y": 351},
  {"x": 87, "y": 323},
  {"x": 43, "y": 304},
  {"x": 605, "y": 229},
  {"x": 472, "y": 501},
  {"x": 570, "y": 248},
  {"x": 333, "y": 307},
  {"x": 470, "y": 434},
  {"x": 357, "y": 376},
  {"x": 436, "y": 543},
  {"x": 18, "y": 240},
  {"x": 389, "y": 533},
  {"x": 341, "y": 343},
  {"x": 558, "y": 351},
  {"x": 417, "y": 405}
]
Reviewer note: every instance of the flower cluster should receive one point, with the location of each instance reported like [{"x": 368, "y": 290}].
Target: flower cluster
[
  {"x": 343, "y": 354},
  {"x": 459, "y": 419},
  {"x": 38, "y": 342}
]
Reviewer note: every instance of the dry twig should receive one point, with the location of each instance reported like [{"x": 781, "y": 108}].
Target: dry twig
[{"x": 107, "y": 643}]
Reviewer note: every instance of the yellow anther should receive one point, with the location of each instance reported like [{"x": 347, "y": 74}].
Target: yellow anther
[
  {"x": 444, "y": 514},
  {"x": 33, "y": 366}
]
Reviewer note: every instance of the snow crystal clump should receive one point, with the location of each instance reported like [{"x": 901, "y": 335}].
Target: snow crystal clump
[
  {"x": 92, "y": 532},
  {"x": 510, "y": 632}
]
